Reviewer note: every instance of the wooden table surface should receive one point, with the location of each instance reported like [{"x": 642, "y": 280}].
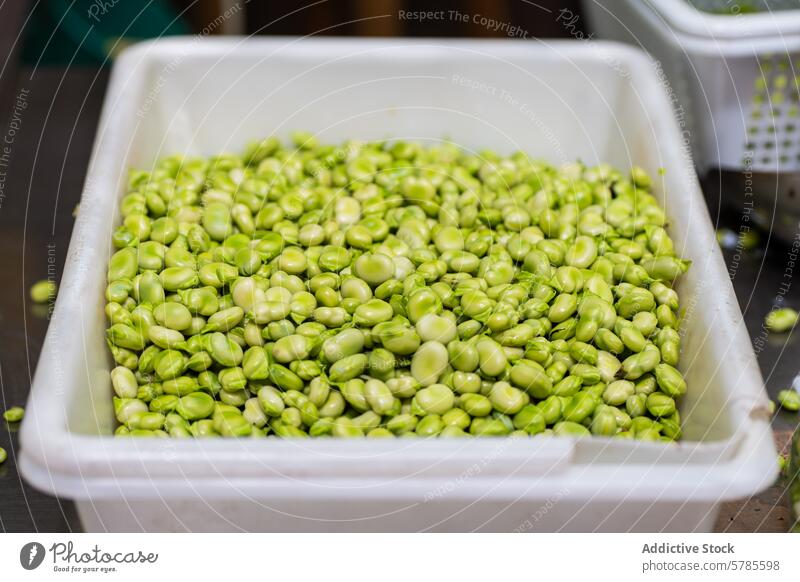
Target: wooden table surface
[{"x": 41, "y": 185}]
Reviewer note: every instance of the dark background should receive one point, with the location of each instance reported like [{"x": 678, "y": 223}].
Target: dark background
[
  {"x": 63, "y": 79},
  {"x": 364, "y": 18}
]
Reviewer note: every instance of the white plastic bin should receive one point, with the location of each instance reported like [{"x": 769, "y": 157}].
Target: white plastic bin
[
  {"x": 734, "y": 78},
  {"x": 561, "y": 101}
]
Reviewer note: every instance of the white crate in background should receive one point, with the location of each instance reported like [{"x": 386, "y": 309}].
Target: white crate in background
[{"x": 735, "y": 75}]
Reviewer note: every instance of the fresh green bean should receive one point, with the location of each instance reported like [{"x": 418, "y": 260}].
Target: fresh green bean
[
  {"x": 14, "y": 414},
  {"x": 781, "y": 320},
  {"x": 789, "y": 400},
  {"x": 43, "y": 291}
]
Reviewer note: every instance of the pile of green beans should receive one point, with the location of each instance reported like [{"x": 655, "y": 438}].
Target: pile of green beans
[{"x": 392, "y": 290}]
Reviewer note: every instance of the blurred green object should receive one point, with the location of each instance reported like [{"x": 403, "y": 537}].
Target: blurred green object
[
  {"x": 94, "y": 31},
  {"x": 794, "y": 480},
  {"x": 724, "y": 7}
]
